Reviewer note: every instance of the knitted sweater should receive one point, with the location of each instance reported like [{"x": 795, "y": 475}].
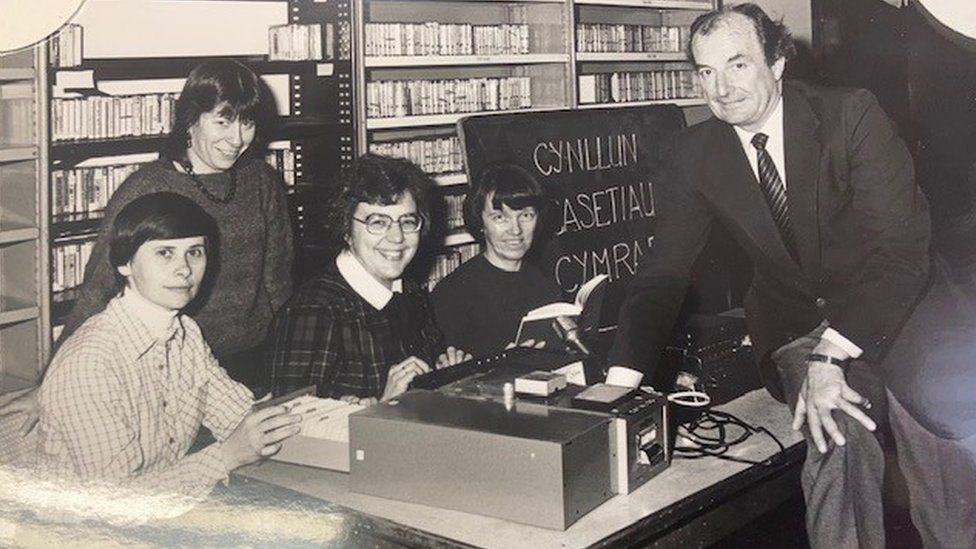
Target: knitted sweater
[{"x": 255, "y": 253}]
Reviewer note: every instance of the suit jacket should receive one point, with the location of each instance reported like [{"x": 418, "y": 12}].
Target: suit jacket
[
  {"x": 930, "y": 366},
  {"x": 860, "y": 222}
]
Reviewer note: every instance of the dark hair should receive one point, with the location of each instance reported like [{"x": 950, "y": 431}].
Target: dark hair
[
  {"x": 509, "y": 185},
  {"x": 220, "y": 82},
  {"x": 376, "y": 179},
  {"x": 158, "y": 216},
  {"x": 774, "y": 36}
]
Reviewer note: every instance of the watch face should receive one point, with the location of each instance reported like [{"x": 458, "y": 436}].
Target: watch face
[{"x": 26, "y": 23}]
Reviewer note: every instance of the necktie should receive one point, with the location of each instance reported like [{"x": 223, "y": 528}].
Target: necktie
[{"x": 774, "y": 191}]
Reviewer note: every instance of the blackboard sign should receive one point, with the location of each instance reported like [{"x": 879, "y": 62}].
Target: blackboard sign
[{"x": 600, "y": 167}]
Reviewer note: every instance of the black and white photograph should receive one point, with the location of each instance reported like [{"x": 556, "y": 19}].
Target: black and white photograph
[{"x": 500, "y": 274}]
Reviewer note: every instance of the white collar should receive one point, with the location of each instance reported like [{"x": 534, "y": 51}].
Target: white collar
[
  {"x": 158, "y": 319},
  {"x": 363, "y": 283},
  {"x": 773, "y": 127}
]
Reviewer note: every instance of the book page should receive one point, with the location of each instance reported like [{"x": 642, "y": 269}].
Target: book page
[
  {"x": 586, "y": 289},
  {"x": 552, "y": 310}
]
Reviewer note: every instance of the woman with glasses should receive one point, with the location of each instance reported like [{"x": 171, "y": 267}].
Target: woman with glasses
[{"x": 358, "y": 330}]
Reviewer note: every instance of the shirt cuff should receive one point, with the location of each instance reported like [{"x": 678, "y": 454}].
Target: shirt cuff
[
  {"x": 833, "y": 336},
  {"x": 212, "y": 462}
]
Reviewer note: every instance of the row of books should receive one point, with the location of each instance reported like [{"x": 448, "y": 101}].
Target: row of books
[
  {"x": 434, "y": 156},
  {"x": 455, "y": 210},
  {"x": 284, "y": 161},
  {"x": 620, "y": 87},
  {"x": 65, "y": 46},
  {"x": 392, "y": 98},
  {"x": 605, "y": 38},
  {"x": 444, "y": 264},
  {"x": 105, "y": 117},
  {"x": 68, "y": 261},
  {"x": 82, "y": 193},
  {"x": 295, "y": 42},
  {"x": 433, "y": 38}
]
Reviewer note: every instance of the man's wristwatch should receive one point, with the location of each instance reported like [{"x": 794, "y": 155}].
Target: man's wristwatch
[{"x": 817, "y": 357}]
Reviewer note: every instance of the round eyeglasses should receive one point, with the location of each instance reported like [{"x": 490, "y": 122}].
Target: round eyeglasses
[{"x": 377, "y": 223}]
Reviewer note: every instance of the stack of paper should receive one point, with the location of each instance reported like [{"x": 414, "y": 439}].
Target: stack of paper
[{"x": 324, "y": 438}]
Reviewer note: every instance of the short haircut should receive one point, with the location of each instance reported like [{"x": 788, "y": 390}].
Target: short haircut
[
  {"x": 507, "y": 184},
  {"x": 220, "y": 82},
  {"x": 158, "y": 216},
  {"x": 774, "y": 36},
  {"x": 380, "y": 180}
]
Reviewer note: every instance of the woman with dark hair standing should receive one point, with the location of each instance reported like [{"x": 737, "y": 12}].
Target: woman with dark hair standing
[
  {"x": 212, "y": 157},
  {"x": 479, "y": 305}
]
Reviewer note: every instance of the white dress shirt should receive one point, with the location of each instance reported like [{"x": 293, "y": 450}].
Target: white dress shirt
[{"x": 775, "y": 146}]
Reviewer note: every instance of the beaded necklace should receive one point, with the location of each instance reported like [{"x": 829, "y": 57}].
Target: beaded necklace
[{"x": 188, "y": 168}]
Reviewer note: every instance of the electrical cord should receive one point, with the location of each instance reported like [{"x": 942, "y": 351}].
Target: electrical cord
[{"x": 715, "y": 432}]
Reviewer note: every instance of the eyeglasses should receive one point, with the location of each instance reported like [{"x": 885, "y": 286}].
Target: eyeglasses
[{"x": 377, "y": 223}]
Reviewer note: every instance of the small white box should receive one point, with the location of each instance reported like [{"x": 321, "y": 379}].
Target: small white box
[{"x": 540, "y": 383}]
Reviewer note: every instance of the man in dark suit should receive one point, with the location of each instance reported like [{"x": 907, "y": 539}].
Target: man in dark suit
[{"x": 819, "y": 191}]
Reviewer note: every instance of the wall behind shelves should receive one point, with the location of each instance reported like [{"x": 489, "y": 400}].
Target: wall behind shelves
[
  {"x": 795, "y": 13},
  {"x": 175, "y": 28}
]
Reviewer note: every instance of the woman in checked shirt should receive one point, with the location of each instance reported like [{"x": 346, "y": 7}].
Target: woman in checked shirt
[{"x": 127, "y": 393}]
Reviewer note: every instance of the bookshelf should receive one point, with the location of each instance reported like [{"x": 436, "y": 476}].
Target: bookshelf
[
  {"x": 24, "y": 302},
  {"x": 423, "y": 65},
  {"x": 633, "y": 52},
  {"x": 312, "y": 138},
  {"x": 566, "y": 54}
]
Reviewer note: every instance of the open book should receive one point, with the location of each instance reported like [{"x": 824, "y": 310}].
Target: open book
[{"x": 585, "y": 311}]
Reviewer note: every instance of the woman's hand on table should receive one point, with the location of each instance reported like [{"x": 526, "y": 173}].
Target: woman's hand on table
[
  {"x": 530, "y": 343},
  {"x": 362, "y": 401},
  {"x": 259, "y": 435},
  {"x": 401, "y": 375},
  {"x": 451, "y": 357}
]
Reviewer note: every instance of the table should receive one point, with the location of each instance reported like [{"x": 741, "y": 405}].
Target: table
[{"x": 693, "y": 503}]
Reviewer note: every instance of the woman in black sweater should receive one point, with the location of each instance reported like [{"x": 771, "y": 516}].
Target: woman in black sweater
[{"x": 479, "y": 305}]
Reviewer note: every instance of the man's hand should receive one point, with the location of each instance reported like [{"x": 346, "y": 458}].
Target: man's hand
[
  {"x": 400, "y": 376},
  {"x": 24, "y": 401},
  {"x": 451, "y": 357},
  {"x": 825, "y": 389},
  {"x": 259, "y": 435}
]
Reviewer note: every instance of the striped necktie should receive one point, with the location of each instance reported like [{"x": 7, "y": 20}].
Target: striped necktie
[{"x": 775, "y": 192}]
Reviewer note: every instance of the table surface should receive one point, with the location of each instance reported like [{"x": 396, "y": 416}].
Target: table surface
[{"x": 688, "y": 487}]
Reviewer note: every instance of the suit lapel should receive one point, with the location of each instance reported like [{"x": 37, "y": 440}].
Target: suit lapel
[
  {"x": 802, "y": 172},
  {"x": 737, "y": 192}
]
